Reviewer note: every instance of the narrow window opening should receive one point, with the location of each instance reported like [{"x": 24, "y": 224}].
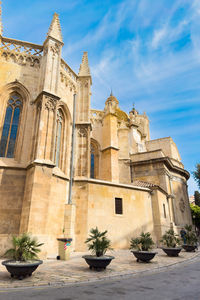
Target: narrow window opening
[
  {"x": 94, "y": 160},
  {"x": 164, "y": 211},
  {"x": 92, "y": 165},
  {"x": 59, "y": 131},
  {"x": 118, "y": 206}
]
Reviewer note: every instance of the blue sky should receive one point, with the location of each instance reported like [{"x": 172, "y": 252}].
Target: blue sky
[{"x": 148, "y": 51}]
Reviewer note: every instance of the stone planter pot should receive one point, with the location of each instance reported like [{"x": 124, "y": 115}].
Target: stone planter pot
[
  {"x": 98, "y": 263},
  {"x": 144, "y": 256},
  {"x": 189, "y": 248},
  {"x": 172, "y": 251},
  {"x": 21, "y": 269}
]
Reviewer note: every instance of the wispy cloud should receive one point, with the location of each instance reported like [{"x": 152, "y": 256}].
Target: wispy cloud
[{"x": 147, "y": 51}]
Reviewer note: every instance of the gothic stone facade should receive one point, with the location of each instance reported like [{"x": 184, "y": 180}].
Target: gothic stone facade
[{"x": 122, "y": 181}]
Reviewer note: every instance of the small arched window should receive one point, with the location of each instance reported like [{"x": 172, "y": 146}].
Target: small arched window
[
  {"x": 94, "y": 159},
  {"x": 58, "y": 138},
  {"x": 10, "y": 127}
]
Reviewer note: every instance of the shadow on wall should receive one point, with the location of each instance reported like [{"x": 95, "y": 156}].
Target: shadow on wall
[
  {"x": 123, "y": 241},
  {"x": 12, "y": 182}
]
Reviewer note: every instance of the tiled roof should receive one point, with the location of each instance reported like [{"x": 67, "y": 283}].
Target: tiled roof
[{"x": 144, "y": 184}]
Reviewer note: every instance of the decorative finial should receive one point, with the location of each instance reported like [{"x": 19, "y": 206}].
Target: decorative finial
[
  {"x": 84, "y": 69},
  {"x": 55, "y": 28},
  {"x": 1, "y": 26},
  {"x": 111, "y": 93}
]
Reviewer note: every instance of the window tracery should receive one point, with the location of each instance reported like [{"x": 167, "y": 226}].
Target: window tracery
[{"x": 11, "y": 126}]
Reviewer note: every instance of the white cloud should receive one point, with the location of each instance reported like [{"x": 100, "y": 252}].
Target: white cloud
[{"x": 158, "y": 36}]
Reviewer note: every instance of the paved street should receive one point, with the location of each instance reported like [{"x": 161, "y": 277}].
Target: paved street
[
  {"x": 76, "y": 270},
  {"x": 178, "y": 282}
]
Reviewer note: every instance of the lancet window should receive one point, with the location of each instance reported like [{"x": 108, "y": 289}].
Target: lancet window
[
  {"x": 11, "y": 126},
  {"x": 92, "y": 153},
  {"x": 94, "y": 159},
  {"x": 59, "y": 138}
]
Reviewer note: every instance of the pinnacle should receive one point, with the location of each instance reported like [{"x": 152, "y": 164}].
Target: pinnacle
[
  {"x": 84, "y": 67},
  {"x": 55, "y": 28},
  {"x": 112, "y": 99}
]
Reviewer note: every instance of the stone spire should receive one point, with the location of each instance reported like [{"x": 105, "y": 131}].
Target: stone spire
[
  {"x": 55, "y": 29},
  {"x": 84, "y": 69},
  {"x": 1, "y": 26}
]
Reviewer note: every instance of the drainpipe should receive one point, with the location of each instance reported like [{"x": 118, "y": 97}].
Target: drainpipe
[{"x": 72, "y": 152}]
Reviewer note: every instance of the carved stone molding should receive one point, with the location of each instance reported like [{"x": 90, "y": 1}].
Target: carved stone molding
[
  {"x": 68, "y": 71},
  {"x": 82, "y": 132},
  {"x": 65, "y": 78},
  {"x": 96, "y": 116},
  {"x": 50, "y": 103},
  {"x": 20, "y": 58},
  {"x": 39, "y": 105},
  {"x": 55, "y": 49},
  {"x": 45, "y": 51}
]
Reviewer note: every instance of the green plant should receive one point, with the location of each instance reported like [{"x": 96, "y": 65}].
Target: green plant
[
  {"x": 195, "y": 210},
  {"x": 142, "y": 243},
  {"x": 97, "y": 242},
  {"x": 197, "y": 198},
  {"x": 170, "y": 239},
  {"x": 190, "y": 236},
  {"x": 196, "y": 174},
  {"x": 24, "y": 248}
]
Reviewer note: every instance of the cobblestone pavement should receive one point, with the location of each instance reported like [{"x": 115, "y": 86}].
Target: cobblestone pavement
[{"x": 56, "y": 272}]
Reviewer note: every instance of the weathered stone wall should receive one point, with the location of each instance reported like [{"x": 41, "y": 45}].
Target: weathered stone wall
[
  {"x": 12, "y": 182},
  {"x": 95, "y": 206},
  {"x": 161, "y": 213},
  {"x": 181, "y": 203},
  {"x": 11, "y": 195},
  {"x": 25, "y": 74},
  {"x": 44, "y": 207},
  {"x": 167, "y": 145}
]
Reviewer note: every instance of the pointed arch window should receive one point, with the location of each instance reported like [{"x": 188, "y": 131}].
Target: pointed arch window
[
  {"x": 59, "y": 135},
  {"x": 92, "y": 153},
  {"x": 94, "y": 159},
  {"x": 11, "y": 126}
]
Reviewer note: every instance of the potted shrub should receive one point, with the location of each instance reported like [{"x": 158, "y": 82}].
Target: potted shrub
[
  {"x": 190, "y": 239},
  {"x": 142, "y": 245},
  {"x": 171, "y": 242},
  {"x": 23, "y": 256},
  {"x": 98, "y": 243}
]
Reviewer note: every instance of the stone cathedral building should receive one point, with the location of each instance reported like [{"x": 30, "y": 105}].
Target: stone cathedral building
[{"x": 65, "y": 167}]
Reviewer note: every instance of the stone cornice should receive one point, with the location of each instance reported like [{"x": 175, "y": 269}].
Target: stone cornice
[
  {"x": 45, "y": 93},
  {"x": 41, "y": 162},
  {"x": 83, "y": 124},
  {"x": 58, "y": 173},
  {"x": 110, "y": 147},
  {"x": 165, "y": 160},
  {"x": 109, "y": 183}
]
